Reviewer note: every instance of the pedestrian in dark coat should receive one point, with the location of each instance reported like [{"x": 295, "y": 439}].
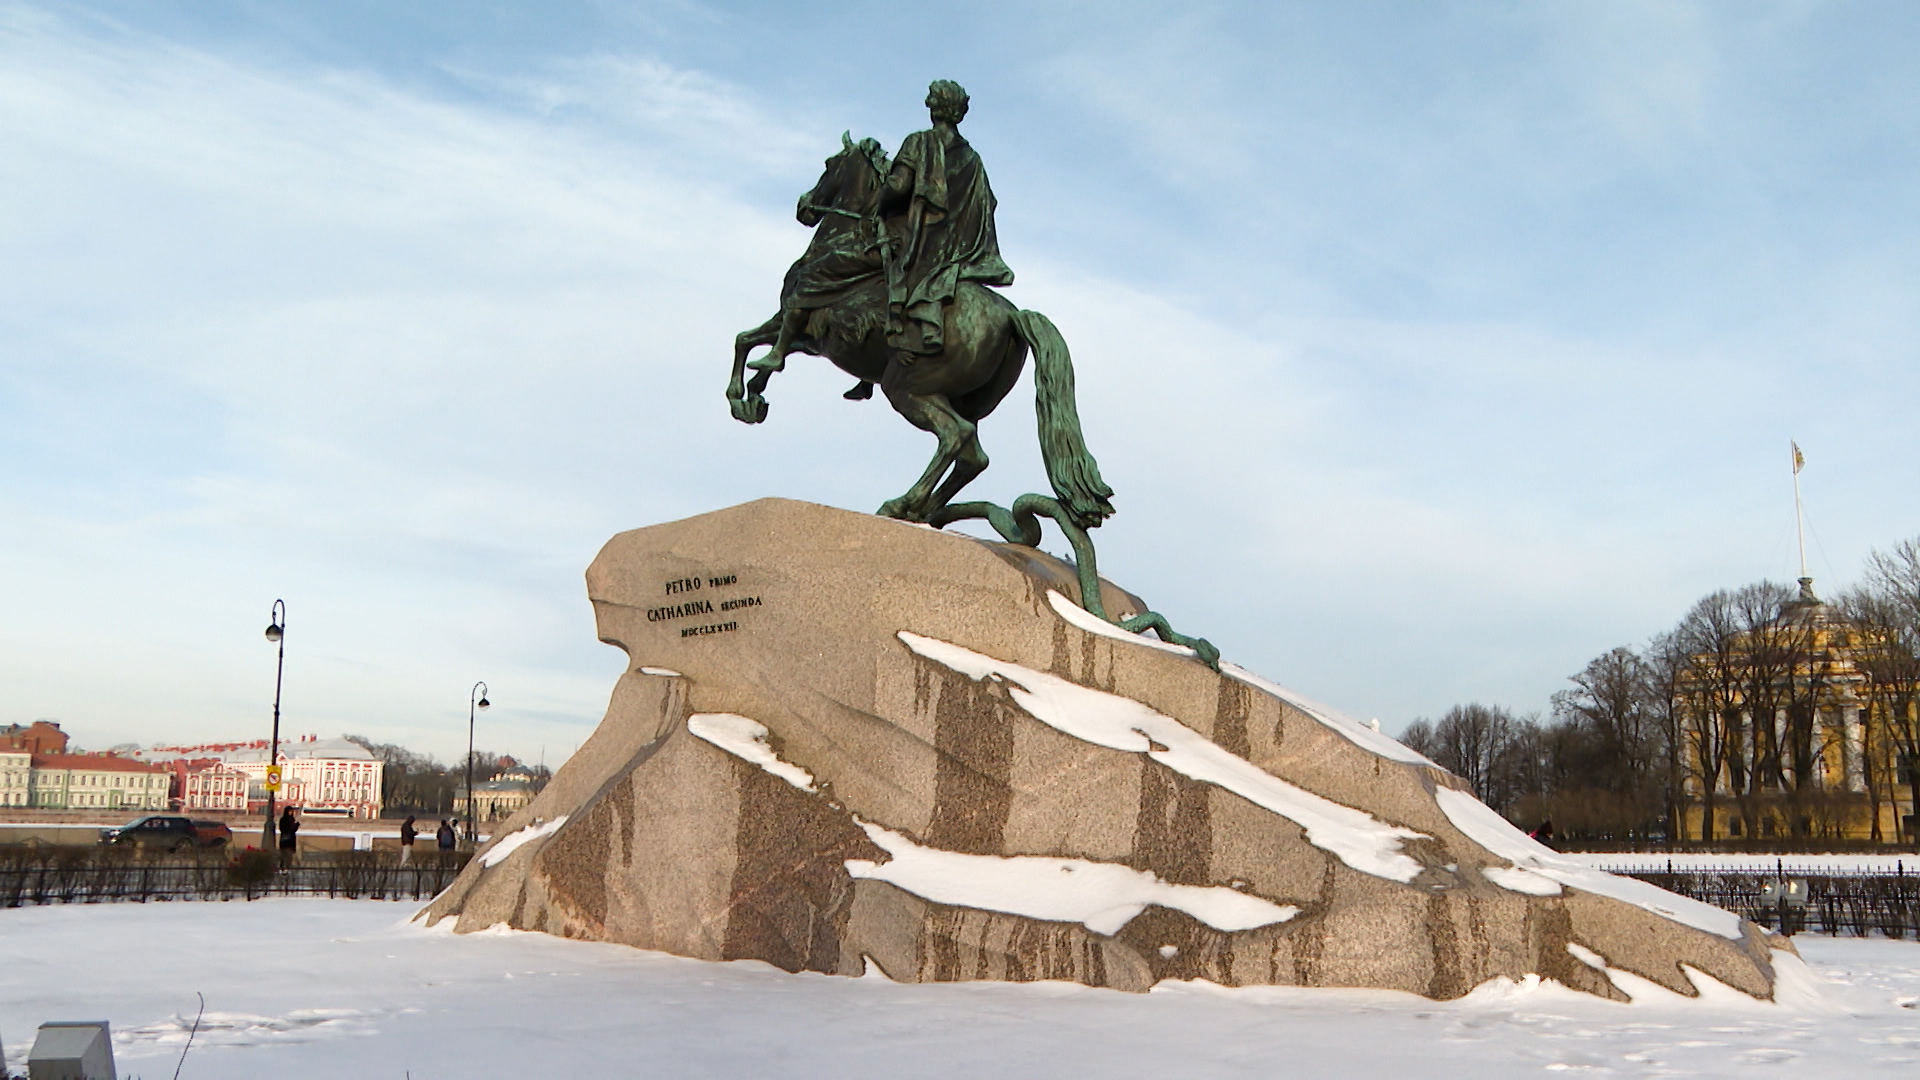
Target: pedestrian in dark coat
[
  {"x": 407, "y": 833},
  {"x": 445, "y": 835},
  {"x": 289, "y": 828}
]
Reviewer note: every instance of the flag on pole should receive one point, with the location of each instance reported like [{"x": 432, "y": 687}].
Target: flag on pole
[{"x": 1799, "y": 459}]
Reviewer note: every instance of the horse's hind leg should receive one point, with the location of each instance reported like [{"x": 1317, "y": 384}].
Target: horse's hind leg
[
  {"x": 955, "y": 433},
  {"x": 974, "y": 407},
  {"x": 970, "y": 463}
]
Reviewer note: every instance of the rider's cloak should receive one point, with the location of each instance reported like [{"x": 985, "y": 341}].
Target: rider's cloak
[{"x": 948, "y": 237}]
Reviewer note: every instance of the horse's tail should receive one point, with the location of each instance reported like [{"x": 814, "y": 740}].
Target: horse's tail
[{"x": 1070, "y": 466}]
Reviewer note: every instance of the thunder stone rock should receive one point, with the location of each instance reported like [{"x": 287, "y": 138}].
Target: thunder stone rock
[{"x": 846, "y": 742}]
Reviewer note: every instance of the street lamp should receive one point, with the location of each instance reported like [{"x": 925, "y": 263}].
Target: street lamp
[
  {"x": 276, "y": 633},
  {"x": 476, "y": 701}
]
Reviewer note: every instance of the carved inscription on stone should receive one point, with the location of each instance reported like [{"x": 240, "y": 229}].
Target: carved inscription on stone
[{"x": 687, "y": 604}]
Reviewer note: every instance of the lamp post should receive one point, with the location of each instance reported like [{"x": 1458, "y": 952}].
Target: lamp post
[
  {"x": 276, "y": 633},
  {"x": 476, "y": 701}
]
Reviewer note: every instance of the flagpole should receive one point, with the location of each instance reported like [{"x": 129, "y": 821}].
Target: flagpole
[{"x": 1799, "y": 528}]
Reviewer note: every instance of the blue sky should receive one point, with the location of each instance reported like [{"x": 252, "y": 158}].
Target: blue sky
[{"x": 1432, "y": 349}]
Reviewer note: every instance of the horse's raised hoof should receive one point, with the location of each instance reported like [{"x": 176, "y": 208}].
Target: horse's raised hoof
[
  {"x": 768, "y": 363},
  {"x": 861, "y": 391},
  {"x": 750, "y": 410}
]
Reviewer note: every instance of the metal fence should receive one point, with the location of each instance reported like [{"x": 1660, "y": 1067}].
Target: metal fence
[
  {"x": 1837, "y": 902},
  {"x": 96, "y": 875},
  {"x": 1858, "y": 903}
]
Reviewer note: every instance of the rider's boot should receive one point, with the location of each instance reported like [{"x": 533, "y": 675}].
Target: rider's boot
[{"x": 861, "y": 391}]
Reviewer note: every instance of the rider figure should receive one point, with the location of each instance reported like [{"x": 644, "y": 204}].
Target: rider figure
[
  {"x": 938, "y": 214},
  {"x": 940, "y": 207}
]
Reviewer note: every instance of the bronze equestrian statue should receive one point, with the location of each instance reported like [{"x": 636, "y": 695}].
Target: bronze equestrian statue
[{"x": 897, "y": 290}]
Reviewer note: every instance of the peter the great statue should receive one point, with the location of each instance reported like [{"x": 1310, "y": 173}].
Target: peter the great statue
[{"x": 897, "y": 289}]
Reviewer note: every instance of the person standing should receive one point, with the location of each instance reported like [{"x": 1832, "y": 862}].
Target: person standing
[
  {"x": 289, "y": 829},
  {"x": 445, "y": 835},
  {"x": 407, "y": 833}
]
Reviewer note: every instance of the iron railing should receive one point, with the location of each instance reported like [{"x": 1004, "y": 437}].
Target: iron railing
[
  {"x": 1837, "y": 902},
  {"x": 79, "y": 875}
]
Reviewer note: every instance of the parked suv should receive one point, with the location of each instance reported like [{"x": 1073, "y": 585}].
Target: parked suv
[{"x": 154, "y": 832}]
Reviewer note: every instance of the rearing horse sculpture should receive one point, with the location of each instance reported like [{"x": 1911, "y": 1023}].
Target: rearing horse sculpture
[
  {"x": 986, "y": 341},
  {"x": 986, "y": 345}
]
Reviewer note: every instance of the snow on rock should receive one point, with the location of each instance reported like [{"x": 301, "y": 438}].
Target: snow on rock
[
  {"x": 1357, "y": 838},
  {"x": 1365, "y": 736},
  {"x": 1102, "y": 896},
  {"x": 1709, "y": 991},
  {"x": 1491, "y": 831},
  {"x": 747, "y": 740},
  {"x": 1093, "y": 624},
  {"x": 1360, "y": 734},
  {"x": 668, "y": 673},
  {"x": 1517, "y": 879},
  {"x": 513, "y": 841}
]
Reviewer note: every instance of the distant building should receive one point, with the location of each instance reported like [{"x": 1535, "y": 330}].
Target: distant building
[
  {"x": 316, "y": 773},
  {"x": 39, "y": 737},
  {"x": 205, "y": 784},
  {"x": 504, "y": 795},
  {"x": 97, "y": 782},
  {"x": 16, "y": 778},
  {"x": 1786, "y": 731}
]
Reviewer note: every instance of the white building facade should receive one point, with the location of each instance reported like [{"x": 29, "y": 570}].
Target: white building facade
[
  {"x": 97, "y": 782},
  {"x": 214, "y": 787},
  {"x": 16, "y": 778}
]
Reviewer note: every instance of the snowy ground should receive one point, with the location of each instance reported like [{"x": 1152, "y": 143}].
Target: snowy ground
[{"x": 334, "y": 988}]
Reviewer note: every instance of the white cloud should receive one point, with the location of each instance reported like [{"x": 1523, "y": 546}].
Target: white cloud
[{"x": 402, "y": 322}]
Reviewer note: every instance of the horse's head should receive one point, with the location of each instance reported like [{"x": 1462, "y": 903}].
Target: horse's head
[{"x": 850, "y": 182}]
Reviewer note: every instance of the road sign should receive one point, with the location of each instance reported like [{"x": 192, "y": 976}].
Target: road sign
[{"x": 273, "y": 778}]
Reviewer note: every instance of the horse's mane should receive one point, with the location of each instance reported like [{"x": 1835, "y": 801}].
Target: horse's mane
[
  {"x": 876, "y": 156},
  {"x": 868, "y": 151}
]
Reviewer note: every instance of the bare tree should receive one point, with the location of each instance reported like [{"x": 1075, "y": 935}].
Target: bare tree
[
  {"x": 1666, "y": 665},
  {"x": 1767, "y": 651},
  {"x": 1473, "y": 742},
  {"x": 1419, "y": 737},
  {"x": 1709, "y": 693},
  {"x": 1612, "y": 746},
  {"x": 1733, "y": 706},
  {"x": 419, "y": 782},
  {"x": 1886, "y": 609},
  {"x": 1610, "y": 704}
]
